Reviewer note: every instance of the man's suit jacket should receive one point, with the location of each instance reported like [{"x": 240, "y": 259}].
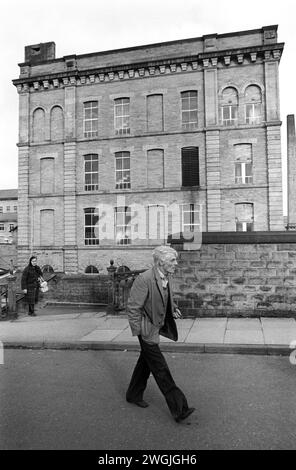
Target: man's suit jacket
[{"x": 146, "y": 307}]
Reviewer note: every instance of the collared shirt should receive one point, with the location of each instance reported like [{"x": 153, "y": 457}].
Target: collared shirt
[{"x": 164, "y": 279}]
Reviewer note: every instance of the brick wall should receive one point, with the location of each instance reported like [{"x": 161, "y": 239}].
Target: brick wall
[{"x": 235, "y": 279}]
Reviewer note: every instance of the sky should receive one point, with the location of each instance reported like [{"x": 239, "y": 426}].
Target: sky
[{"x": 79, "y": 27}]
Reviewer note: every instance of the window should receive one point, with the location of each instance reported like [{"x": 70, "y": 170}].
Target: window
[
  {"x": 91, "y": 172},
  {"x": 91, "y": 218},
  {"x": 47, "y": 269},
  {"x": 190, "y": 218},
  {"x": 11, "y": 227},
  {"x": 190, "y": 166},
  {"x": 253, "y": 105},
  {"x": 14, "y": 209},
  {"x": 229, "y": 107},
  {"x": 122, "y": 170},
  {"x": 243, "y": 163},
  {"x": 91, "y": 269},
  {"x": 189, "y": 109},
  {"x": 7, "y": 208},
  {"x": 122, "y": 116},
  {"x": 47, "y": 175},
  {"x": 244, "y": 217},
  {"x": 2, "y": 227},
  {"x": 56, "y": 123},
  {"x": 91, "y": 119},
  {"x": 157, "y": 232},
  {"x": 122, "y": 225},
  {"x": 154, "y": 113},
  {"x": 155, "y": 167},
  {"x": 38, "y": 125},
  {"x": 1, "y": 209}
]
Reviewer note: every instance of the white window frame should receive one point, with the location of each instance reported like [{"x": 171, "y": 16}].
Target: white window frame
[
  {"x": 255, "y": 117},
  {"x": 193, "y": 210},
  {"x": 122, "y": 116},
  {"x": 122, "y": 175},
  {"x": 232, "y": 120},
  {"x": 244, "y": 178},
  {"x": 93, "y": 120},
  {"x": 90, "y": 240},
  {"x": 185, "y": 95},
  {"x": 122, "y": 228},
  {"x": 244, "y": 226},
  {"x": 91, "y": 158}
]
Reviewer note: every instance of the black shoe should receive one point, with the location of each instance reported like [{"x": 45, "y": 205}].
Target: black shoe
[
  {"x": 140, "y": 403},
  {"x": 184, "y": 415},
  {"x": 32, "y": 314}
]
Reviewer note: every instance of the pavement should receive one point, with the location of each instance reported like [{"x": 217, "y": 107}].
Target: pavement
[{"x": 61, "y": 326}]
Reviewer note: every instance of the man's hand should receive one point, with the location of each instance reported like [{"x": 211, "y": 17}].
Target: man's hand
[
  {"x": 177, "y": 313},
  {"x": 24, "y": 291}
]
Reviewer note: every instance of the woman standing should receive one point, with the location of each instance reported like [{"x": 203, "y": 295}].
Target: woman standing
[{"x": 30, "y": 283}]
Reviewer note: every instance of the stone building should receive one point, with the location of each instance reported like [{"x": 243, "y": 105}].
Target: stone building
[
  {"x": 8, "y": 215},
  {"x": 119, "y": 149}
]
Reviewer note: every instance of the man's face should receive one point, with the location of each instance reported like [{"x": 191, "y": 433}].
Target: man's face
[
  {"x": 170, "y": 264},
  {"x": 34, "y": 262}
]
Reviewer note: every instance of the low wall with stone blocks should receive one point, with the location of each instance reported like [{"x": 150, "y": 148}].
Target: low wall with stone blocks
[
  {"x": 79, "y": 288},
  {"x": 238, "y": 275}
]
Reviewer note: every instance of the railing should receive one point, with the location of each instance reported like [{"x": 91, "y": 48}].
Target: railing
[
  {"x": 8, "y": 297},
  {"x": 3, "y": 300},
  {"x": 121, "y": 281},
  {"x": 11, "y": 297}
]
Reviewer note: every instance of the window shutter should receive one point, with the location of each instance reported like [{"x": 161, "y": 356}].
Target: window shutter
[{"x": 190, "y": 166}]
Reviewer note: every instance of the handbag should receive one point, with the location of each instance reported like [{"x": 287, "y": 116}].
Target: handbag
[{"x": 43, "y": 285}]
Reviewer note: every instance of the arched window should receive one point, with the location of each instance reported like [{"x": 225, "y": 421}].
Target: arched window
[
  {"x": 253, "y": 104},
  {"x": 47, "y": 269},
  {"x": 229, "y": 107},
  {"x": 56, "y": 123},
  {"x": 91, "y": 269},
  {"x": 38, "y": 125}
]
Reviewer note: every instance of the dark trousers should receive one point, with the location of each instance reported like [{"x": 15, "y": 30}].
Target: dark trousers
[
  {"x": 32, "y": 297},
  {"x": 152, "y": 360}
]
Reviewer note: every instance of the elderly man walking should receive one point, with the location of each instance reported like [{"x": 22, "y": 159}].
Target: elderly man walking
[{"x": 152, "y": 312}]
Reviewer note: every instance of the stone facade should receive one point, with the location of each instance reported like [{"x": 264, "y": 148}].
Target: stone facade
[{"x": 234, "y": 129}]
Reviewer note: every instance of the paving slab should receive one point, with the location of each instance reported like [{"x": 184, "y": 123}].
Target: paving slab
[
  {"x": 206, "y": 335},
  {"x": 210, "y": 323},
  {"x": 245, "y": 336},
  {"x": 243, "y": 324},
  {"x": 101, "y": 335},
  {"x": 278, "y": 322},
  {"x": 281, "y": 337}
]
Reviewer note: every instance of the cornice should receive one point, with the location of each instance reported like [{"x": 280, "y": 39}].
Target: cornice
[{"x": 74, "y": 76}]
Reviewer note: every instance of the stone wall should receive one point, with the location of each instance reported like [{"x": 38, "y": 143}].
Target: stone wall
[
  {"x": 79, "y": 289},
  {"x": 238, "y": 279}
]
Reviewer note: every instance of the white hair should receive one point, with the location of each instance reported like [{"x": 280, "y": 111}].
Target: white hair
[{"x": 161, "y": 253}]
